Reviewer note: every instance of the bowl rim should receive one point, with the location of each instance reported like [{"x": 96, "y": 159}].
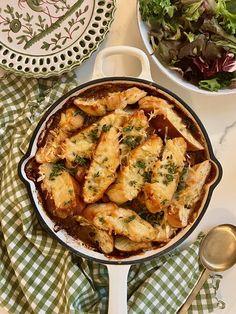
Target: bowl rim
[
  {"x": 139, "y": 259},
  {"x": 173, "y": 76}
]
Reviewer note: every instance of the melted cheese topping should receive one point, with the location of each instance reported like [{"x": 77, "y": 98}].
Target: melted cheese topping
[
  {"x": 113, "y": 101},
  {"x": 132, "y": 177},
  {"x": 133, "y": 133},
  {"x": 113, "y": 219},
  {"x": 159, "y": 193},
  {"x": 102, "y": 171},
  {"x": 83, "y": 143},
  {"x": 61, "y": 189},
  {"x": 180, "y": 208}
]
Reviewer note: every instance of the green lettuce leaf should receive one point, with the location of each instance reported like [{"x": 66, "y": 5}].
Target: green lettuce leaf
[
  {"x": 224, "y": 43},
  {"x": 223, "y": 79},
  {"x": 212, "y": 25},
  {"x": 212, "y": 85},
  {"x": 193, "y": 11},
  {"x": 168, "y": 51},
  {"x": 226, "y": 10},
  {"x": 153, "y": 9},
  {"x": 190, "y": 36}
]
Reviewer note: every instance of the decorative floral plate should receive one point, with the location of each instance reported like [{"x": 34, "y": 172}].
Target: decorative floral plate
[{"x": 41, "y": 38}]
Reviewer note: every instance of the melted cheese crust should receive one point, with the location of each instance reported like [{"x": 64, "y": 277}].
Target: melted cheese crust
[
  {"x": 70, "y": 121},
  {"x": 134, "y": 132},
  {"x": 132, "y": 177},
  {"x": 180, "y": 209},
  {"x": 123, "y": 221},
  {"x": 62, "y": 191},
  {"x": 113, "y": 101},
  {"x": 84, "y": 142},
  {"x": 102, "y": 171},
  {"x": 160, "y": 191}
]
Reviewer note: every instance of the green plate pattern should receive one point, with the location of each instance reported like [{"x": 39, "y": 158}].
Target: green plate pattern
[{"x": 42, "y": 38}]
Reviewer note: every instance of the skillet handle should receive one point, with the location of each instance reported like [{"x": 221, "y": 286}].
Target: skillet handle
[
  {"x": 127, "y": 50},
  {"x": 118, "y": 275}
]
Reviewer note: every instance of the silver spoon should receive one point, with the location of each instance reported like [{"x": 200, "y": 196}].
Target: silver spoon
[{"x": 217, "y": 253}]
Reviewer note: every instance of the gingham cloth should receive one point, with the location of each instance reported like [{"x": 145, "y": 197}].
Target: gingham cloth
[{"x": 37, "y": 274}]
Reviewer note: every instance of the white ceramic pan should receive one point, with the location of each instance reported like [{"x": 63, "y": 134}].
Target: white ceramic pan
[{"x": 118, "y": 268}]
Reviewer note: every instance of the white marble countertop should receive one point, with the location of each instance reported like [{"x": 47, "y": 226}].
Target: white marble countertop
[{"x": 218, "y": 113}]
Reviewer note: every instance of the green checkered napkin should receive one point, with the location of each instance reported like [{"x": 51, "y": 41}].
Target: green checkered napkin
[{"x": 37, "y": 274}]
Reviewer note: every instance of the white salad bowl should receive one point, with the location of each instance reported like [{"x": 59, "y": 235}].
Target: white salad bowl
[{"x": 173, "y": 75}]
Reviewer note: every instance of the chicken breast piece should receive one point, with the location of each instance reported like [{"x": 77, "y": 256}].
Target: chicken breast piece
[
  {"x": 126, "y": 245},
  {"x": 52, "y": 149},
  {"x": 83, "y": 143},
  {"x": 183, "y": 204},
  {"x": 62, "y": 192},
  {"x": 133, "y": 95},
  {"x": 70, "y": 120},
  {"x": 164, "y": 232},
  {"x": 102, "y": 171},
  {"x": 133, "y": 132},
  {"x": 165, "y": 176},
  {"x": 92, "y": 210},
  {"x": 131, "y": 178},
  {"x": 120, "y": 221},
  {"x": 110, "y": 102},
  {"x": 167, "y": 121},
  {"x": 102, "y": 238}
]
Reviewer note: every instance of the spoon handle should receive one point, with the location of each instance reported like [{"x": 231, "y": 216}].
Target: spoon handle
[{"x": 193, "y": 294}]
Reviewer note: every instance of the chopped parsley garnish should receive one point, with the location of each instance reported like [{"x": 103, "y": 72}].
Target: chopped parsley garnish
[
  {"x": 131, "y": 127},
  {"x": 94, "y": 135},
  {"x": 132, "y": 141},
  {"x": 68, "y": 202},
  {"x": 106, "y": 127},
  {"x": 182, "y": 184},
  {"x": 147, "y": 176},
  {"x": 92, "y": 188},
  {"x": 96, "y": 175},
  {"x": 153, "y": 219},
  {"x": 128, "y": 128},
  {"x": 171, "y": 167},
  {"x": 163, "y": 203},
  {"x": 80, "y": 112},
  {"x": 101, "y": 219},
  {"x": 57, "y": 170},
  {"x": 140, "y": 164},
  {"x": 170, "y": 176},
  {"x": 132, "y": 183},
  {"x": 81, "y": 160},
  {"x": 129, "y": 219}
]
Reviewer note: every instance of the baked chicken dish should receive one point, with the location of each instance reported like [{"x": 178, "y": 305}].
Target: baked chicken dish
[{"x": 121, "y": 168}]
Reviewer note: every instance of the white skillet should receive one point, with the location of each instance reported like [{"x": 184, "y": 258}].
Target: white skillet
[{"x": 117, "y": 268}]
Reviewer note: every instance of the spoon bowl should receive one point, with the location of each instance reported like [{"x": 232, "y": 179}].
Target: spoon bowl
[
  {"x": 218, "y": 248},
  {"x": 217, "y": 252}
]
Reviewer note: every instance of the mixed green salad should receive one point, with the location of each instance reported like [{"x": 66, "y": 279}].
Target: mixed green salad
[{"x": 197, "y": 38}]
